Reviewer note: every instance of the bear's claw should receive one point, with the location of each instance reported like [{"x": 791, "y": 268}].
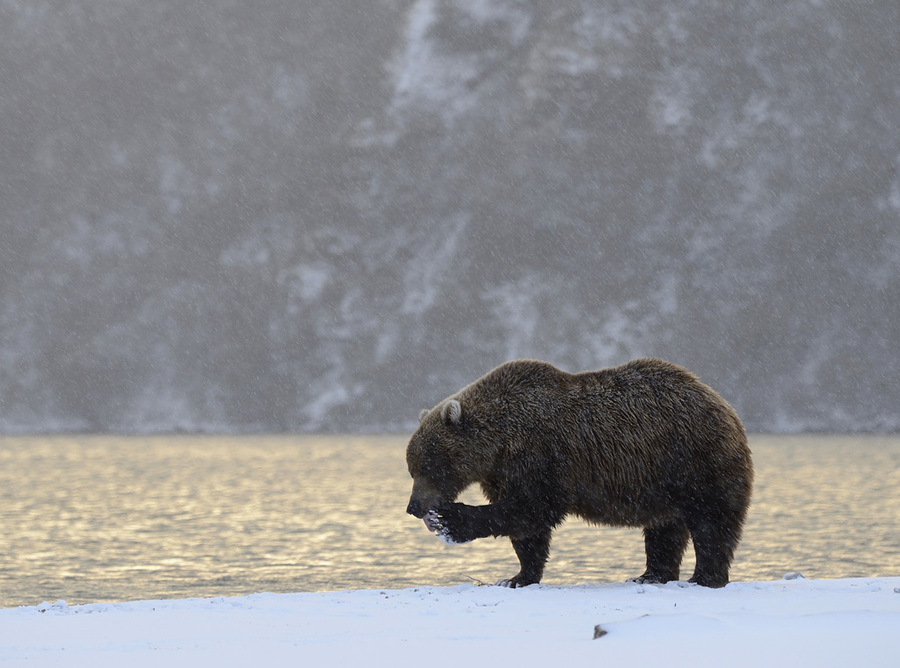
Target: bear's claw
[
  {"x": 516, "y": 582},
  {"x": 436, "y": 524},
  {"x": 443, "y": 531},
  {"x": 432, "y": 521}
]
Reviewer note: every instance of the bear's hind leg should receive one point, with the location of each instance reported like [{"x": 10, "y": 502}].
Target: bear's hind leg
[
  {"x": 665, "y": 546},
  {"x": 714, "y": 545},
  {"x": 533, "y": 553}
]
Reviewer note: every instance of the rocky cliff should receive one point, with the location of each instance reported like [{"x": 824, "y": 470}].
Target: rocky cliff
[{"x": 324, "y": 215}]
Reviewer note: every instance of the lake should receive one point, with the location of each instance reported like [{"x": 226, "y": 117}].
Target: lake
[{"x": 100, "y": 518}]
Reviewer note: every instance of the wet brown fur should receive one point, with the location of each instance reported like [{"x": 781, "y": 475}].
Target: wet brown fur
[{"x": 643, "y": 444}]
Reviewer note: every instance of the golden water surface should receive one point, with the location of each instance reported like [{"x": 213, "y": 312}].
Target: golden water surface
[{"x": 95, "y": 518}]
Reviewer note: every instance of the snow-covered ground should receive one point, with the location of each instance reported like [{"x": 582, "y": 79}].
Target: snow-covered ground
[{"x": 795, "y": 622}]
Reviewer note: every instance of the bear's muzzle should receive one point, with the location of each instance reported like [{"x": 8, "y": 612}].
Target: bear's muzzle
[
  {"x": 425, "y": 496},
  {"x": 416, "y": 508}
]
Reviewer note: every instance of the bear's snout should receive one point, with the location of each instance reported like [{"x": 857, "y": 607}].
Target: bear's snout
[
  {"x": 425, "y": 496},
  {"x": 416, "y": 508}
]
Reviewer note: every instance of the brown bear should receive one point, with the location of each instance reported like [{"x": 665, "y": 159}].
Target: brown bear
[{"x": 645, "y": 444}]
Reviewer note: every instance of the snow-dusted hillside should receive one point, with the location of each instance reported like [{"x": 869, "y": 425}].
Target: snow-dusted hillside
[{"x": 325, "y": 216}]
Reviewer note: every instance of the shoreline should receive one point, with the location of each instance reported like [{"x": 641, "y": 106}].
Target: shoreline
[{"x": 809, "y": 622}]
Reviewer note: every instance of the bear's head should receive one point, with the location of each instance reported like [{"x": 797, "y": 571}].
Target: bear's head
[{"x": 446, "y": 454}]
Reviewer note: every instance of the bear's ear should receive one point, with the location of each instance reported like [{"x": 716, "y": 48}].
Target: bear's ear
[
  {"x": 423, "y": 414},
  {"x": 451, "y": 412}
]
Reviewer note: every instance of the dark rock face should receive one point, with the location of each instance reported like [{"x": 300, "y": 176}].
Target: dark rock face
[{"x": 309, "y": 216}]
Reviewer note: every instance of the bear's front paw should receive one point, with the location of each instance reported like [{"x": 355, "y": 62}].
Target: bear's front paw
[
  {"x": 517, "y": 582},
  {"x": 451, "y": 523}
]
